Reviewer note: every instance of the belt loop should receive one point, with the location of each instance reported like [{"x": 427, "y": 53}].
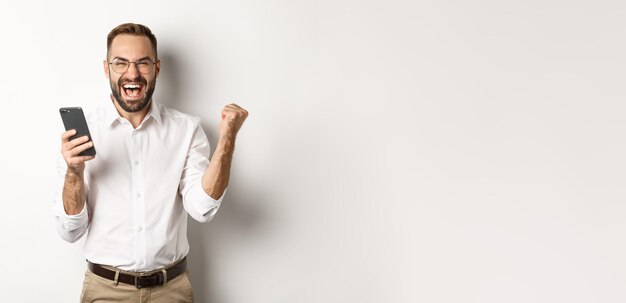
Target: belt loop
[
  {"x": 164, "y": 276},
  {"x": 117, "y": 275}
]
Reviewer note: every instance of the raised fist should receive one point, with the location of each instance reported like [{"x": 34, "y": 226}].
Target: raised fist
[{"x": 233, "y": 117}]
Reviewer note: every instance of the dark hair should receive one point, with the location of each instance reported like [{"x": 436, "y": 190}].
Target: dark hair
[{"x": 133, "y": 29}]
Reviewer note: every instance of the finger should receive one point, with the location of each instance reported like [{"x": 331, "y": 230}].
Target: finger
[
  {"x": 79, "y": 149},
  {"x": 80, "y": 140},
  {"x": 75, "y": 142},
  {"x": 239, "y": 113},
  {"x": 66, "y": 135},
  {"x": 232, "y": 106},
  {"x": 236, "y": 108},
  {"x": 225, "y": 113}
]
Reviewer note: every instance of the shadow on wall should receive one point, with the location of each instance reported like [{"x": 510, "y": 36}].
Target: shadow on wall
[
  {"x": 169, "y": 83},
  {"x": 238, "y": 218},
  {"x": 239, "y": 215}
]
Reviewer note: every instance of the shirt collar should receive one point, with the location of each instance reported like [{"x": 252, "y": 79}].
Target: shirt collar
[
  {"x": 154, "y": 112},
  {"x": 112, "y": 115}
]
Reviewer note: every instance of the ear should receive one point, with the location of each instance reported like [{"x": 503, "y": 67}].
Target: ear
[
  {"x": 105, "y": 65},
  {"x": 157, "y": 67}
]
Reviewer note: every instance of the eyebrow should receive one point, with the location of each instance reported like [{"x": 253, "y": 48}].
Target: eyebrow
[{"x": 122, "y": 58}]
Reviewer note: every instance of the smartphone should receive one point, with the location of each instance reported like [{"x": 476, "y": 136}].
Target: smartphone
[{"x": 74, "y": 118}]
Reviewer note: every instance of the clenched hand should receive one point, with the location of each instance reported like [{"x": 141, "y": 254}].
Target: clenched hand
[{"x": 233, "y": 117}]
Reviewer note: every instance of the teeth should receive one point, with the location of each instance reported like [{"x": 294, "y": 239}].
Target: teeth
[{"x": 131, "y": 86}]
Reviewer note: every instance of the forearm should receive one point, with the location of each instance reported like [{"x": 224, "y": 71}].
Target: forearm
[
  {"x": 215, "y": 178},
  {"x": 73, "y": 193}
]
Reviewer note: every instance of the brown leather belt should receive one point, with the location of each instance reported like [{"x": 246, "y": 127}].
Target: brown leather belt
[{"x": 141, "y": 280}]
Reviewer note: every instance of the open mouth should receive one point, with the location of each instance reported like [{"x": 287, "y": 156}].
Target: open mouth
[{"x": 133, "y": 90}]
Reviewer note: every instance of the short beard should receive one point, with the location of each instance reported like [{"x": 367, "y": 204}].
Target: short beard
[{"x": 116, "y": 90}]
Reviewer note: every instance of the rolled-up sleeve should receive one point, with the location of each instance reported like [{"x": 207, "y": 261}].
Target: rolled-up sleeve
[
  {"x": 70, "y": 227},
  {"x": 196, "y": 201}
]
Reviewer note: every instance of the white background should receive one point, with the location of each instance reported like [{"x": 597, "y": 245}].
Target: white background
[{"x": 396, "y": 151}]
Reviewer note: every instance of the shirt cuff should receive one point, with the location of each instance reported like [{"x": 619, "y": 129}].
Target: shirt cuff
[
  {"x": 72, "y": 222},
  {"x": 204, "y": 206}
]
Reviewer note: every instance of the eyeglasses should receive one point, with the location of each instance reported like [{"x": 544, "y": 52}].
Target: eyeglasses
[{"x": 120, "y": 66}]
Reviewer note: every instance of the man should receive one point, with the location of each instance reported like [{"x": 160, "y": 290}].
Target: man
[{"x": 150, "y": 171}]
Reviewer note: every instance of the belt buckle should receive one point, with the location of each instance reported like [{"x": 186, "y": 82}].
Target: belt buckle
[{"x": 150, "y": 280}]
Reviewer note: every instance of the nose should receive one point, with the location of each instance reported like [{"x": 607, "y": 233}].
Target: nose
[{"x": 132, "y": 71}]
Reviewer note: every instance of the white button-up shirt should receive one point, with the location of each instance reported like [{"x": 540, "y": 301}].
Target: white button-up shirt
[{"x": 139, "y": 189}]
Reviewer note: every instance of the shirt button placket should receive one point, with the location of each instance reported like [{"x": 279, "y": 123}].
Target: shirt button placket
[{"x": 138, "y": 188}]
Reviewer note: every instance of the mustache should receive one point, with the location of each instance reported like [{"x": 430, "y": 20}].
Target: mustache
[{"x": 139, "y": 79}]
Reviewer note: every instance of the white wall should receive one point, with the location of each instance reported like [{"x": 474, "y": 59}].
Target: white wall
[{"x": 396, "y": 151}]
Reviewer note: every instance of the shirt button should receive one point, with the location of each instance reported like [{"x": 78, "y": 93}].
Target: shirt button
[
  {"x": 136, "y": 162},
  {"x": 140, "y": 228}
]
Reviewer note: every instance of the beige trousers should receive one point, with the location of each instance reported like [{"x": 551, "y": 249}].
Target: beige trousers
[{"x": 100, "y": 290}]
